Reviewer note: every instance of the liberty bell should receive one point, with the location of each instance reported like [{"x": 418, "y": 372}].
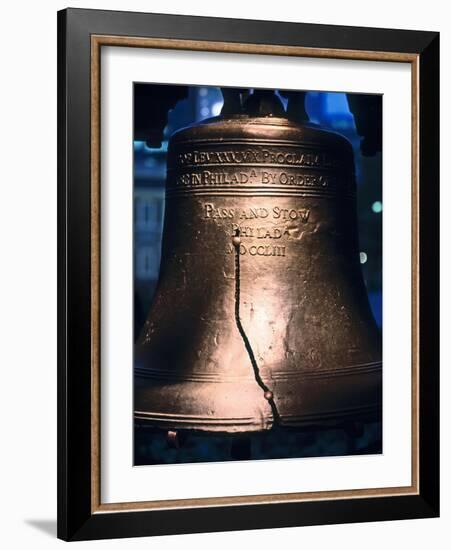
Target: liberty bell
[{"x": 261, "y": 316}]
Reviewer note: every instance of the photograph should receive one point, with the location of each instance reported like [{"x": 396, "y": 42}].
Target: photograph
[{"x": 257, "y": 276}]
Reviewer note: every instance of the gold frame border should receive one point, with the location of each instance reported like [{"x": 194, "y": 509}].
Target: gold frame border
[{"x": 97, "y": 41}]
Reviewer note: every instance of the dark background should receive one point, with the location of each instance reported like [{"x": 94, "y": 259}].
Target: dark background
[{"x": 358, "y": 117}]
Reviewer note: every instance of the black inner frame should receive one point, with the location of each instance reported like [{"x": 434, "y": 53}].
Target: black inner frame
[{"x": 75, "y": 520}]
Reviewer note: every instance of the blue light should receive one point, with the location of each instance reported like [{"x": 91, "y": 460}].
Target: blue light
[
  {"x": 377, "y": 207},
  {"x": 216, "y": 108},
  {"x": 336, "y": 104}
]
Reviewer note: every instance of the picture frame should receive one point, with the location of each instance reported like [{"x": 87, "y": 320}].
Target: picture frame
[{"x": 81, "y": 36}]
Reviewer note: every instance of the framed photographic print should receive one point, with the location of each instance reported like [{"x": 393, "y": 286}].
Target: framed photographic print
[{"x": 248, "y": 274}]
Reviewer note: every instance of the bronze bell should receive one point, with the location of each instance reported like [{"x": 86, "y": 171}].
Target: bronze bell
[{"x": 261, "y": 316}]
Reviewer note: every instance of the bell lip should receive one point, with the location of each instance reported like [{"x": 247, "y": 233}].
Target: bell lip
[
  {"x": 369, "y": 414},
  {"x": 336, "y": 409}
]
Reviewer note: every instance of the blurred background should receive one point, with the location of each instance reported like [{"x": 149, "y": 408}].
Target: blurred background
[{"x": 160, "y": 110}]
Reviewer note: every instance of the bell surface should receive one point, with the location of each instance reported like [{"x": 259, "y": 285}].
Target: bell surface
[{"x": 261, "y": 315}]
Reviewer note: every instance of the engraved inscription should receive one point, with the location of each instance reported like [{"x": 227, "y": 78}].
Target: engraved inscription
[
  {"x": 261, "y": 250},
  {"x": 257, "y": 156},
  {"x": 214, "y": 212},
  {"x": 216, "y": 178},
  {"x": 207, "y": 178},
  {"x": 258, "y": 223}
]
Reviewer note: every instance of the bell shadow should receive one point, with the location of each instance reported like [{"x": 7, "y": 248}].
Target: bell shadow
[{"x": 46, "y": 526}]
